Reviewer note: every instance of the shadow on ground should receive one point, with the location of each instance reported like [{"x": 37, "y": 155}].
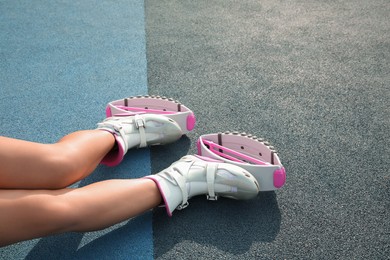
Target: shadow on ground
[
  {"x": 219, "y": 224},
  {"x": 118, "y": 243}
]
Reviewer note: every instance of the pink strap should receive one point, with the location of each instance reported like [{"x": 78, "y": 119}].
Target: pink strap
[{"x": 146, "y": 110}]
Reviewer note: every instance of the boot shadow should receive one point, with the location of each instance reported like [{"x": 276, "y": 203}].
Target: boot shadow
[{"x": 229, "y": 225}]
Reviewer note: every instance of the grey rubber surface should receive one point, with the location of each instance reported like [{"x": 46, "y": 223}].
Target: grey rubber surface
[{"x": 312, "y": 77}]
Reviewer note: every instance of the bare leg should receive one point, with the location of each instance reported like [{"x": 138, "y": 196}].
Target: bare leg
[
  {"x": 29, "y": 165},
  {"x": 27, "y": 214}
]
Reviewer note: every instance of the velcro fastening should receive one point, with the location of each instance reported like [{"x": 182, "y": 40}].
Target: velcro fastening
[
  {"x": 140, "y": 124},
  {"x": 211, "y": 171},
  {"x": 181, "y": 182}
]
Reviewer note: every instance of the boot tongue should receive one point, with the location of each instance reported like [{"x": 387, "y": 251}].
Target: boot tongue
[
  {"x": 201, "y": 177},
  {"x": 197, "y": 184}
]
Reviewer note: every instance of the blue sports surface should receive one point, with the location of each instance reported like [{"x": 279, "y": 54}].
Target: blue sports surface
[
  {"x": 60, "y": 63},
  {"x": 312, "y": 77}
]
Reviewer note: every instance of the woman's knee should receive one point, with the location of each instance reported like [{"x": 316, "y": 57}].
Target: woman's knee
[
  {"x": 61, "y": 215},
  {"x": 65, "y": 168}
]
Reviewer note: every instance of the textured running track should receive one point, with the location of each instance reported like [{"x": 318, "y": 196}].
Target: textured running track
[{"x": 313, "y": 78}]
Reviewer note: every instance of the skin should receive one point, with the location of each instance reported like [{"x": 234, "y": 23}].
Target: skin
[{"x": 35, "y": 200}]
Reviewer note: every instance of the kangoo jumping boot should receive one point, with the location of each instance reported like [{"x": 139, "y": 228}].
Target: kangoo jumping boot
[
  {"x": 197, "y": 175},
  {"x": 138, "y": 131}
]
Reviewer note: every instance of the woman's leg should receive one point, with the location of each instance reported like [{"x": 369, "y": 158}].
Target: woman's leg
[
  {"x": 27, "y": 214},
  {"x": 29, "y": 165}
]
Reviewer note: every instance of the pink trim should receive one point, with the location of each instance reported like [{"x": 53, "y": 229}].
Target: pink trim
[
  {"x": 114, "y": 157},
  {"x": 235, "y": 156},
  {"x": 130, "y": 114},
  {"x": 162, "y": 194},
  {"x": 191, "y": 121},
  {"x": 146, "y": 110},
  {"x": 279, "y": 177},
  {"x": 108, "y": 111}
]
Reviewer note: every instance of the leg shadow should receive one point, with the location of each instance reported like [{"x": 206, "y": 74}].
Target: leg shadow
[{"x": 163, "y": 156}]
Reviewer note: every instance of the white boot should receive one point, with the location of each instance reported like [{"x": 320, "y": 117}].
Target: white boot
[
  {"x": 138, "y": 131},
  {"x": 196, "y": 175}
]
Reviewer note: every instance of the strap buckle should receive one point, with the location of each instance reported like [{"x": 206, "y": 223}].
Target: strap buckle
[
  {"x": 139, "y": 121},
  {"x": 183, "y": 206},
  {"x": 215, "y": 197}
]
